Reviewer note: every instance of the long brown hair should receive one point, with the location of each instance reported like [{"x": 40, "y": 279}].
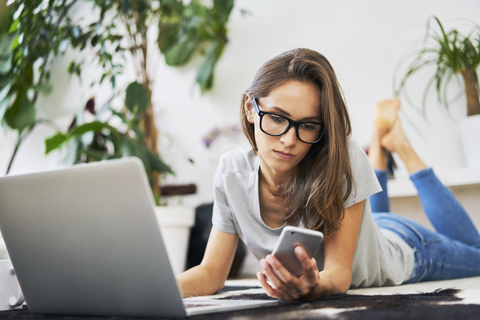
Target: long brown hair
[{"x": 314, "y": 194}]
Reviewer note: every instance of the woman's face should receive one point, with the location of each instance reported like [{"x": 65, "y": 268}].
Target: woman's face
[{"x": 296, "y": 100}]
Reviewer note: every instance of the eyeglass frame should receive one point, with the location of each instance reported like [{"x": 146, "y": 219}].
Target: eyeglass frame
[{"x": 291, "y": 123}]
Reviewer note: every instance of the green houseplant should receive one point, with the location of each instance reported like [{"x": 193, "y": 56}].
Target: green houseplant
[
  {"x": 34, "y": 32},
  {"x": 450, "y": 53}
]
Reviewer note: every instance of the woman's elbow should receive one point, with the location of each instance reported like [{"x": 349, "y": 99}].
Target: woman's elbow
[
  {"x": 217, "y": 277},
  {"x": 346, "y": 282},
  {"x": 340, "y": 279}
]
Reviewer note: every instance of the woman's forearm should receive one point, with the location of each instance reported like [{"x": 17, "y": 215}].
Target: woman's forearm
[
  {"x": 197, "y": 281},
  {"x": 210, "y": 275}
]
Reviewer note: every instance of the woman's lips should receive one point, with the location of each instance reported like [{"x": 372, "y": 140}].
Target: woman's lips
[{"x": 283, "y": 155}]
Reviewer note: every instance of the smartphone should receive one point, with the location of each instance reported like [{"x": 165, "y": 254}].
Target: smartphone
[{"x": 290, "y": 238}]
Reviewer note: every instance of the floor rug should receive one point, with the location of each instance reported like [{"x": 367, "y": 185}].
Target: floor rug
[{"x": 438, "y": 305}]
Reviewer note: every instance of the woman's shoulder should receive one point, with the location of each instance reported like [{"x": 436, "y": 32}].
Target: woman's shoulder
[
  {"x": 353, "y": 143},
  {"x": 239, "y": 161},
  {"x": 365, "y": 180},
  {"x": 356, "y": 152}
]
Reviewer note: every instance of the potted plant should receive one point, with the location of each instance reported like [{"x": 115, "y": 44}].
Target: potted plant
[
  {"x": 34, "y": 32},
  {"x": 451, "y": 54}
]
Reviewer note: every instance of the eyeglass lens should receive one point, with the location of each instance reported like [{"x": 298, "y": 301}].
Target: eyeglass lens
[{"x": 276, "y": 125}]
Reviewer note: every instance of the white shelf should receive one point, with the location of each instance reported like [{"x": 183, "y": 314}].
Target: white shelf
[{"x": 403, "y": 186}]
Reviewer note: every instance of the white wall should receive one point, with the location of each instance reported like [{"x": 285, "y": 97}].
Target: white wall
[{"x": 363, "y": 40}]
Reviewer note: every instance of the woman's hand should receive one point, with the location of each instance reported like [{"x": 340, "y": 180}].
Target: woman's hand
[{"x": 286, "y": 286}]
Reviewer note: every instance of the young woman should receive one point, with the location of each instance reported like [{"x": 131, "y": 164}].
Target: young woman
[{"x": 303, "y": 169}]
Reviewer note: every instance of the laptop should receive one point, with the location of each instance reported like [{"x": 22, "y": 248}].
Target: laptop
[{"x": 85, "y": 241}]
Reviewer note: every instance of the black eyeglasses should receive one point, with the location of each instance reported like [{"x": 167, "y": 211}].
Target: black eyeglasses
[{"x": 275, "y": 125}]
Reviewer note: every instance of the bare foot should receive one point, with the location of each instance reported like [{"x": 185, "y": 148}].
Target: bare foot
[
  {"x": 395, "y": 140},
  {"x": 385, "y": 114}
]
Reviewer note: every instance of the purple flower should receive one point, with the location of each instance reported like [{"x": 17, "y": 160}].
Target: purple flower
[{"x": 215, "y": 133}]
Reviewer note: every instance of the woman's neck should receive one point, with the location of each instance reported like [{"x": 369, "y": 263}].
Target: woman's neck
[
  {"x": 272, "y": 207},
  {"x": 273, "y": 179}
]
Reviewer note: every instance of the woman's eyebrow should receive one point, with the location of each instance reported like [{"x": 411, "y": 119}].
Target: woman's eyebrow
[{"x": 287, "y": 114}]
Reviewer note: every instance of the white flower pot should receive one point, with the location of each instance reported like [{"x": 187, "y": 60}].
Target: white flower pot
[
  {"x": 470, "y": 134},
  {"x": 175, "y": 223}
]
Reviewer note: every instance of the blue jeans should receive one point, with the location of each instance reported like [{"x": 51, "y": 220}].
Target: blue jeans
[{"x": 451, "y": 252}]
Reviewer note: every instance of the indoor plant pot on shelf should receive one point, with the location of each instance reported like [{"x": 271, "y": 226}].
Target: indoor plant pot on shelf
[
  {"x": 452, "y": 54},
  {"x": 176, "y": 222}
]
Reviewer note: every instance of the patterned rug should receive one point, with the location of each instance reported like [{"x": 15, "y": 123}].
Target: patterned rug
[{"x": 438, "y": 305}]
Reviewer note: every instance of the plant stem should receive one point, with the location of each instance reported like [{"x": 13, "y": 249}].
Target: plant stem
[
  {"x": 148, "y": 121},
  {"x": 473, "y": 103},
  {"x": 25, "y": 134},
  {"x": 22, "y": 136}
]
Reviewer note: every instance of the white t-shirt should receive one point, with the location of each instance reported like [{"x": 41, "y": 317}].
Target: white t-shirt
[{"x": 381, "y": 258}]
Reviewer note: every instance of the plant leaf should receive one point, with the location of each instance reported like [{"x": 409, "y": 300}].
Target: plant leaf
[
  {"x": 119, "y": 114},
  {"x": 157, "y": 163},
  {"x": 5, "y": 18},
  {"x": 4, "y": 103},
  {"x": 223, "y": 9},
  {"x": 6, "y": 40},
  {"x": 116, "y": 138},
  {"x": 206, "y": 70},
  {"x": 45, "y": 88},
  {"x": 137, "y": 98},
  {"x": 133, "y": 148},
  {"x": 5, "y": 65},
  {"x": 138, "y": 131},
  {"x": 22, "y": 113},
  {"x": 5, "y": 80},
  {"x": 74, "y": 151},
  {"x": 168, "y": 35},
  {"x": 181, "y": 52},
  {"x": 90, "y": 126},
  {"x": 4, "y": 93},
  {"x": 55, "y": 142},
  {"x": 94, "y": 154}
]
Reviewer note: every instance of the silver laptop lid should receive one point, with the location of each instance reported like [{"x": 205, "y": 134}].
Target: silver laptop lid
[{"x": 85, "y": 240}]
